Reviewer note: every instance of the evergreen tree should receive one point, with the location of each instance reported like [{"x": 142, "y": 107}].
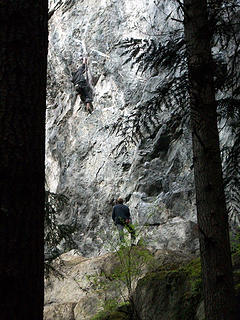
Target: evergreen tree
[
  {"x": 211, "y": 206},
  {"x": 194, "y": 86},
  {"x": 23, "y": 64}
]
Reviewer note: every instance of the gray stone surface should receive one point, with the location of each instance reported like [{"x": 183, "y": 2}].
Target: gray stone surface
[
  {"x": 155, "y": 176},
  {"x": 64, "y": 311},
  {"x": 71, "y": 293},
  {"x": 87, "y": 283},
  {"x": 86, "y": 308}
]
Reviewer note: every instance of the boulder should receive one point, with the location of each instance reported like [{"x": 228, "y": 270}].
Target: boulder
[
  {"x": 70, "y": 293},
  {"x": 172, "y": 293},
  {"x": 59, "y": 311}
]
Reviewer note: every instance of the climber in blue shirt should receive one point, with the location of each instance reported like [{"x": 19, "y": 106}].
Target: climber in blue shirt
[
  {"x": 81, "y": 81},
  {"x": 122, "y": 219}
]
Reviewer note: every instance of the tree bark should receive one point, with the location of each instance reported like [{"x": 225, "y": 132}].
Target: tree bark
[
  {"x": 211, "y": 207},
  {"x": 23, "y": 64}
]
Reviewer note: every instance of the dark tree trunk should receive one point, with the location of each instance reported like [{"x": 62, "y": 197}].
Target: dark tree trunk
[
  {"x": 211, "y": 207},
  {"x": 23, "y": 62}
]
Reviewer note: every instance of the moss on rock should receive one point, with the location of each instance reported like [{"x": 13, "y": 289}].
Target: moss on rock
[
  {"x": 115, "y": 312},
  {"x": 114, "y": 315},
  {"x": 170, "y": 294}
]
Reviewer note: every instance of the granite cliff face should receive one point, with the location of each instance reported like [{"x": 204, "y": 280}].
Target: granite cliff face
[
  {"x": 155, "y": 176},
  {"x": 85, "y": 162}
]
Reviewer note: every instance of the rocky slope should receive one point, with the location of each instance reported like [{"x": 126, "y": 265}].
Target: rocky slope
[
  {"x": 82, "y": 287},
  {"x": 155, "y": 176},
  {"x": 68, "y": 292},
  {"x": 166, "y": 285}
]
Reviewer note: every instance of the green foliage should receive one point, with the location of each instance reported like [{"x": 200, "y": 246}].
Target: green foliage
[
  {"x": 108, "y": 307},
  {"x": 164, "y": 54},
  {"x": 129, "y": 264},
  {"x": 113, "y": 310},
  {"x": 132, "y": 260},
  {"x": 235, "y": 242},
  {"x": 235, "y": 246},
  {"x": 55, "y": 232},
  {"x": 54, "y": 204},
  {"x": 231, "y": 172},
  {"x": 158, "y": 54},
  {"x": 194, "y": 274}
]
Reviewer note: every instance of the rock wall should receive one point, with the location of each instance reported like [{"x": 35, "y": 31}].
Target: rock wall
[{"x": 155, "y": 176}]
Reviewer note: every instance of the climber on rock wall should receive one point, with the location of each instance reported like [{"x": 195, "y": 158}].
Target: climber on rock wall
[{"x": 80, "y": 79}]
